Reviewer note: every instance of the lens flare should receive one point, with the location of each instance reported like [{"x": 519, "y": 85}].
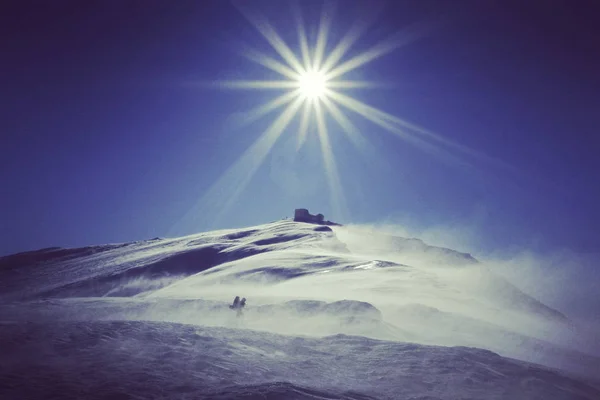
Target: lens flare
[{"x": 313, "y": 81}]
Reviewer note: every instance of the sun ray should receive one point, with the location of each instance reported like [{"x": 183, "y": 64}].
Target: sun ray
[
  {"x": 440, "y": 139},
  {"x": 355, "y": 136},
  {"x": 304, "y": 122},
  {"x": 322, "y": 35},
  {"x": 341, "y": 48},
  {"x": 271, "y": 63},
  {"x": 238, "y": 176},
  {"x": 375, "y": 116},
  {"x": 268, "y": 32},
  {"x": 257, "y": 84},
  {"x": 302, "y": 38},
  {"x": 403, "y": 37},
  {"x": 396, "y": 124},
  {"x": 348, "y": 127},
  {"x": 354, "y": 85},
  {"x": 355, "y": 32},
  {"x": 337, "y": 196},
  {"x": 219, "y": 197},
  {"x": 256, "y": 113}
]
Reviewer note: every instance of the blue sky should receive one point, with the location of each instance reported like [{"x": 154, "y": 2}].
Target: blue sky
[{"x": 106, "y": 137}]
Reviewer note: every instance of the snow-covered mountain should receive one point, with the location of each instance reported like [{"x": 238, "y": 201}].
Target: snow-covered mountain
[{"x": 332, "y": 313}]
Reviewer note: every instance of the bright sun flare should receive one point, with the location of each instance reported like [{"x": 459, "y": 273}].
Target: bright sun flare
[{"x": 312, "y": 84}]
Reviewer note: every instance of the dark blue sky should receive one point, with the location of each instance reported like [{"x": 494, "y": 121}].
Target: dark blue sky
[{"x": 104, "y": 139}]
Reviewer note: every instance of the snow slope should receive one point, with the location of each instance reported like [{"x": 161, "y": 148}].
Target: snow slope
[
  {"x": 331, "y": 313},
  {"x": 159, "y": 359}
]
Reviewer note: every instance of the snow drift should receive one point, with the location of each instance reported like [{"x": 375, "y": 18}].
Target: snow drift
[{"x": 331, "y": 314}]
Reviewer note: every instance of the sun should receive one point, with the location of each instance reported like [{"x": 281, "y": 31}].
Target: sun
[
  {"x": 313, "y": 81},
  {"x": 312, "y": 84}
]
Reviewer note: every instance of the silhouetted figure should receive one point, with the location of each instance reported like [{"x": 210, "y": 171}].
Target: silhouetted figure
[{"x": 238, "y": 305}]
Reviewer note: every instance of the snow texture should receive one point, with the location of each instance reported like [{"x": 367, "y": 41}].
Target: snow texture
[{"x": 331, "y": 315}]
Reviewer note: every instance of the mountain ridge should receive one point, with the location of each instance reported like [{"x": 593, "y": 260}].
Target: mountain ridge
[{"x": 300, "y": 280}]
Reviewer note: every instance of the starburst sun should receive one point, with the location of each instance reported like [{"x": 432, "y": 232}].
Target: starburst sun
[{"x": 313, "y": 83}]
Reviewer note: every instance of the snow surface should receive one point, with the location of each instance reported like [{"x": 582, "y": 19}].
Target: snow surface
[{"x": 332, "y": 313}]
